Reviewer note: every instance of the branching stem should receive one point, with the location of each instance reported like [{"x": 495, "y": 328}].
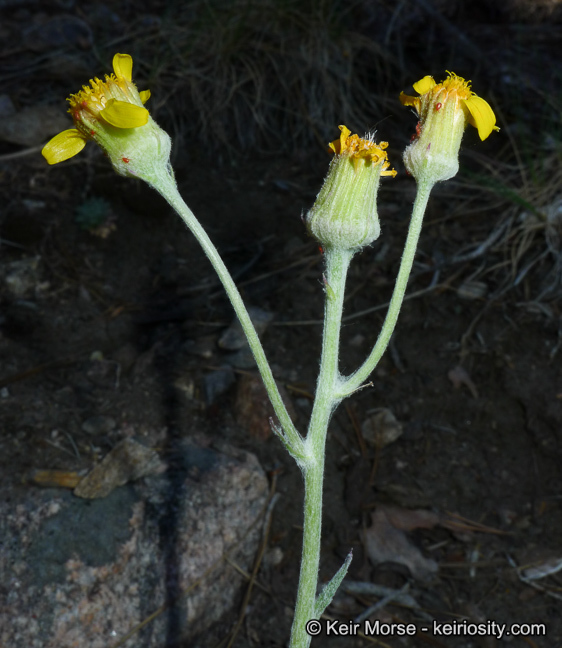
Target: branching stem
[
  {"x": 331, "y": 387},
  {"x": 337, "y": 264},
  {"x": 356, "y": 380},
  {"x": 290, "y": 437}
]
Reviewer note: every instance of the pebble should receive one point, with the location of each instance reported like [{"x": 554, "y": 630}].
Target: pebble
[
  {"x": 273, "y": 557},
  {"x": 381, "y": 429},
  {"x": 99, "y": 425},
  {"x": 32, "y": 126},
  {"x": 234, "y": 339},
  {"x": 126, "y": 356},
  {"x": 187, "y": 387},
  {"x": 218, "y": 382},
  {"x": 253, "y": 409},
  {"x": 243, "y": 359},
  {"x": 204, "y": 347},
  {"x": 472, "y": 290},
  {"x": 22, "y": 276}
]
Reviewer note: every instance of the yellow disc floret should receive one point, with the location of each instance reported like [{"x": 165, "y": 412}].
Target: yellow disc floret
[{"x": 360, "y": 150}]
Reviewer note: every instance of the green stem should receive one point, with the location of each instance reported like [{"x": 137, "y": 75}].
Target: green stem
[
  {"x": 166, "y": 186},
  {"x": 337, "y": 264},
  {"x": 355, "y": 381}
]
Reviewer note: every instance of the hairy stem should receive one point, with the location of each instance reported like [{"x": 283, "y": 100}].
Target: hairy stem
[
  {"x": 289, "y": 435},
  {"x": 337, "y": 264},
  {"x": 354, "y": 382}
]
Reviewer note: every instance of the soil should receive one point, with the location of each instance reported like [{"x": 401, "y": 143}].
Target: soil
[{"x": 127, "y": 327}]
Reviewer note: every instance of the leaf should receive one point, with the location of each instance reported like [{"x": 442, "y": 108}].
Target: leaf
[
  {"x": 385, "y": 541},
  {"x": 329, "y": 590}
]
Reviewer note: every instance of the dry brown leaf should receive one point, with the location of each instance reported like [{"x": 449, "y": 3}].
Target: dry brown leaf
[
  {"x": 410, "y": 519},
  {"x": 128, "y": 461},
  {"x": 386, "y": 543}
]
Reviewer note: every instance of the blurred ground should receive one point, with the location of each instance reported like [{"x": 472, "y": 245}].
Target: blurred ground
[{"x": 127, "y": 326}]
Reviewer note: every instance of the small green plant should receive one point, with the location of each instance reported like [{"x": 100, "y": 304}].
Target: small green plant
[
  {"x": 96, "y": 216},
  {"x": 343, "y": 219}
]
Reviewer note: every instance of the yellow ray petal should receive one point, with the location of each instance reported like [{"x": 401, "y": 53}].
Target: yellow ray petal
[
  {"x": 144, "y": 95},
  {"x": 345, "y": 133},
  {"x": 123, "y": 66},
  {"x": 424, "y": 85},
  {"x": 123, "y": 114},
  {"x": 338, "y": 145},
  {"x": 64, "y": 146},
  {"x": 481, "y": 116},
  {"x": 406, "y": 100}
]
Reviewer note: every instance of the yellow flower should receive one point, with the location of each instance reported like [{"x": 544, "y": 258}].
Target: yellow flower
[
  {"x": 344, "y": 214},
  {"x": 100, "y": 109},
  {"x": 444, "y": 110},
  {"x": 112, "y": 114},
  {"x": 455, "y": 89}
]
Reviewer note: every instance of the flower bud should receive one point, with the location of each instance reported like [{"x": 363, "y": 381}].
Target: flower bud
[
  {"x": 444, "y": 110},
  {"x": 345, "y": 212}
]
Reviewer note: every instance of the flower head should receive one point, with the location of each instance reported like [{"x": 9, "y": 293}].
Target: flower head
[
  {"x": 112, "y": 113},
  {"x": 361, "y": 151},
  {"x": 345, "y": 212},
  {"x": 444, "y": 110}
]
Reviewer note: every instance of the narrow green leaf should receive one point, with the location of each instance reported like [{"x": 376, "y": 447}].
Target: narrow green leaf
[{"x": 329, "y": 590}]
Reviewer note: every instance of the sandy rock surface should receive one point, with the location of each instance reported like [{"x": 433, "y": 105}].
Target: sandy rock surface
[{"x": 84, "y": 573}]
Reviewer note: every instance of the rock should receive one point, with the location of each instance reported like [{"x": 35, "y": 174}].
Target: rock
[
  {"x": 85, "y": 572},
  {"x": 99, "y": 425},
  {"x": 103, "y": 373},
  {"x": 204, "y": 347},
  {"x": 186, "y": 386},
  {"x": 32, "y": 126},
  {"x": 253, "y": 409},
  {"x": 472, "y": 290},
  {"x": 218, "y": 382},
  {"x": 234, "y": 338},
  {"x": 381, "y": 428},
  {"x": 459, "y": 376},
  {"x": 126, "y": 357},
  {"x": 243, "y": 359},
  {"x": 22, "y": 276}
]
